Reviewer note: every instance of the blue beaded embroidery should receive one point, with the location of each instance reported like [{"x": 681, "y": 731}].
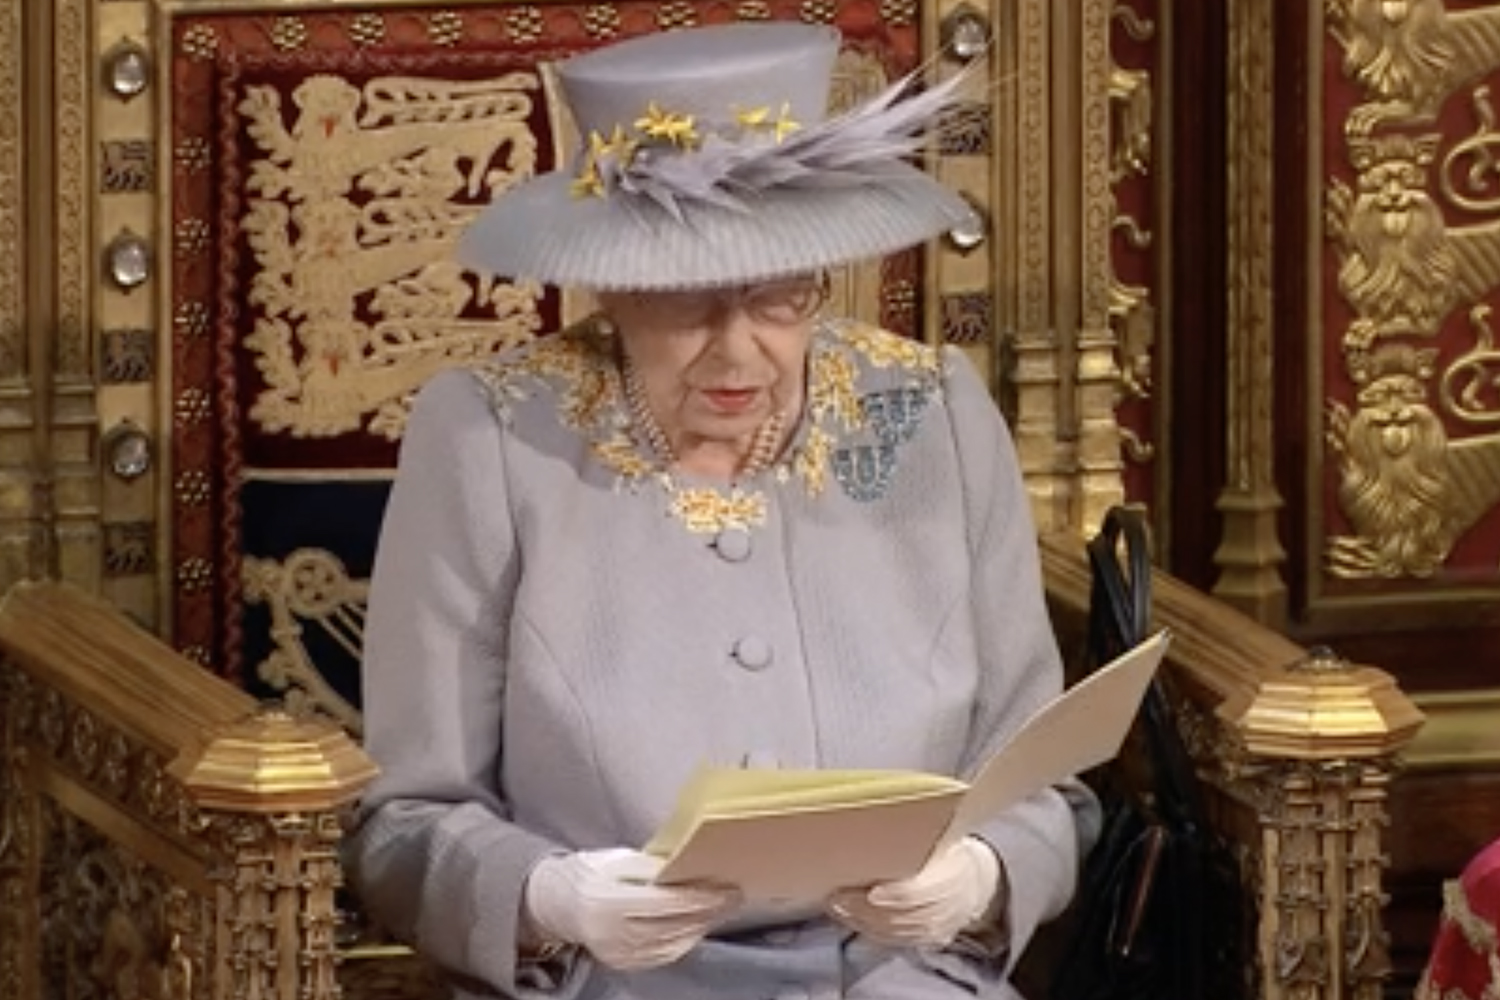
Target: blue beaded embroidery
[
  {"x": 895, "y": 414},
  {"x": 865, "y": 471}
]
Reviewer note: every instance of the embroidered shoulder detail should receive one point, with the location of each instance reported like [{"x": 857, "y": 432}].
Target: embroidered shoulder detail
[
  {"x": 577, "y": 365},
  {"x": 879, "y": 388},
  {"x": 884, "y": 349},
  {"x": 867, "y": 393}
]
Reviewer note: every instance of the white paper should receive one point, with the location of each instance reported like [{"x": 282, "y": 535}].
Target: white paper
[{"x": 1081, "y": 729}]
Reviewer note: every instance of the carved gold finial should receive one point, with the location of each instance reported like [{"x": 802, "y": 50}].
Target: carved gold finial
[
  {"x": 1322, "y": 707},
  {"x": 275, "y": 762}
]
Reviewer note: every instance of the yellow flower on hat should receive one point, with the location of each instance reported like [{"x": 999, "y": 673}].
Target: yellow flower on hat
[
  {"x": 760, "y": 118},
  {"x": 618, "y": 145},
  {"x": 590, "y": 180},
  {"x": 674, "y": 127},
  {"x": 588, "y": 183}
]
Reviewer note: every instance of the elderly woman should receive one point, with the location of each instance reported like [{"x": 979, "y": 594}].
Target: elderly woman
[{"x": 705, "y": 526}]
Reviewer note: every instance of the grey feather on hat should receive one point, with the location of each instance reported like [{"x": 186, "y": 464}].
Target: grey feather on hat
[{"x": 707, "y": 160}]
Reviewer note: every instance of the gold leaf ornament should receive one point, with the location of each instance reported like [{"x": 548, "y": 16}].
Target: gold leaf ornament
[{"x": 669, "y": 126}]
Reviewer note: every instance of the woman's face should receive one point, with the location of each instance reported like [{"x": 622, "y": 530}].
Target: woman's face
[{"x": 716, "y": 364}]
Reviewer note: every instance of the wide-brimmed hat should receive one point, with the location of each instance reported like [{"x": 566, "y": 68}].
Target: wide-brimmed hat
[{"x": 708, "y": 159}]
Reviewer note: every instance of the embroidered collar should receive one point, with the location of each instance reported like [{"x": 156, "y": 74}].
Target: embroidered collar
[{"x": 581, "y": 365}]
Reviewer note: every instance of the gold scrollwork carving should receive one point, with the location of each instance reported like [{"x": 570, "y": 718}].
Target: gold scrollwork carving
[
  {"x": 360, "y": 302},
  {"x": 1471, "y": 382},
  {"x": 284, "y": 873},
  {"x": 1131, "y": 314},
  {"x": 1130, "y": 94},
  {"x": 313, "y": 587},
  {"x": 1136, "y": 449},
  {"x": 112, "y": 925},
  {"x": 1320, "y": 913},
  {"x": 16, "y": 838},
  {"x": 1479, "y": 152},
  {"x": 1134, "y": 320},
  {"x": 1324, "y": 912}
]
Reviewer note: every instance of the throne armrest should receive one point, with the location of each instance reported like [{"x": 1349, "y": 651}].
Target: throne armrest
[
  {"x": 174, "y": 840},
  {"x": 1298, "y": 748}
]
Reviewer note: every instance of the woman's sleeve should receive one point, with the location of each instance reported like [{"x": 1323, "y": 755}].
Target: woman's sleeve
[
  {"x": 1040, "y": 840},
  {"x": 434, "y": 856}
]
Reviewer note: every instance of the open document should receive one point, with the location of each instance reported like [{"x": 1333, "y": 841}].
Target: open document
[{"x": 797, "y": 835}]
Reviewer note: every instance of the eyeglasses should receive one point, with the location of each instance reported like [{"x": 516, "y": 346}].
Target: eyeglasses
[{"x": 783, "y": 302}]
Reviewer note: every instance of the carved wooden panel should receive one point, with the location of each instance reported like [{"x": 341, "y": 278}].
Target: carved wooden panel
[
  {"x": 1406, "y": 404},
  {"x": 102, "y": 893},
  {"x": 1138, "y": 171}
]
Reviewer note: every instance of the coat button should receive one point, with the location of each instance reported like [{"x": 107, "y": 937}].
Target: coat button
[
  {"x": 753, "y": 653},
  {"x": 733, "y": 544}
]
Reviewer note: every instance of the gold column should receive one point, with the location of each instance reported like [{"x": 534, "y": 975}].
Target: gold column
[
  {"x": 17, "y": 543},
  {"x": 272, "y": 788},
  {"x": 1037, "y": 370},
  {"x": 1097, "y": 372},
  {"x": 1315, "y": 742},
  {"x": 73, "y": 436},
  {"x": 1250, "y": 554}
]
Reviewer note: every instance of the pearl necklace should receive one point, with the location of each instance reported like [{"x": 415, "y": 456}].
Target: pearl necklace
[{"x": 763, "y": 448}]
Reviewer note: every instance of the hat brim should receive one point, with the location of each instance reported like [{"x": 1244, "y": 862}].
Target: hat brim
[{"x": 539, "y": 231}]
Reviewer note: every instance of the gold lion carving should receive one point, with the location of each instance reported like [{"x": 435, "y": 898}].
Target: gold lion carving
[
  {"x": 1408, "y": 490},
  {"x": 1394, "y": 477},
  {"x": 351, "y": 217},
  {"x": 1409, "y": 55},
  {"x": 1397, "y": 268},
  {"x": 1402, "y": 267}
]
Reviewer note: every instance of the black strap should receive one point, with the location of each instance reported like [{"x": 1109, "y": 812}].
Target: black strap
[{"x": 1119, "y": 617}]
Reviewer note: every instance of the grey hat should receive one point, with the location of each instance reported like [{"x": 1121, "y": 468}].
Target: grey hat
[{"x": 707, "y": 160}]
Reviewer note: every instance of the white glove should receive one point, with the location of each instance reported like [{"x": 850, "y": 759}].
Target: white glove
[
  {"x": 955, "y": 890},
  {"x": 604, "y": 901}
]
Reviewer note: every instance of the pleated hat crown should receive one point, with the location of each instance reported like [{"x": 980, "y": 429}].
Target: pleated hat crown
[
  {"x": 708, "y": 159},
  {"x": 713, "y": 76}
]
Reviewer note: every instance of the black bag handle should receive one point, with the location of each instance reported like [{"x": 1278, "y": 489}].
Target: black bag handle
[{"x": 1119, "y": 616}]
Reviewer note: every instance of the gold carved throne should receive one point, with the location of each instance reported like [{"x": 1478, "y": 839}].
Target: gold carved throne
[{"x": 238, "y": 223}]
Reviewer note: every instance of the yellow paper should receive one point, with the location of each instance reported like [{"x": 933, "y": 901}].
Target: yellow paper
[
  {"x": 723, "y": 793},
  {"x": 798, "y": 835}
]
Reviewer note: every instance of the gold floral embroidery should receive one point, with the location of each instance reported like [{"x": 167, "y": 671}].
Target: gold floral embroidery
[
  {"x": 620, "y": 455},
  {"x": 884, "y": 349},
  {"x": 831, "y": 392},
  {"x": 580, "y": 365},
  {"x": 812, "y": 461},
  {"x": 708, "y": 511},
  {"x": 589, "y": 397}
]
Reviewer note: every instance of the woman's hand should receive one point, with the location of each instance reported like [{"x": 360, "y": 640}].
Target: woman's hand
[
  {"x": 957, "y": 889},
  {"x": 604, "y": 901}
]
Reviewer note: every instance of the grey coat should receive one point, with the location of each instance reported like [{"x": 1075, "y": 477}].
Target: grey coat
[{"x": 558, "y": 636}]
